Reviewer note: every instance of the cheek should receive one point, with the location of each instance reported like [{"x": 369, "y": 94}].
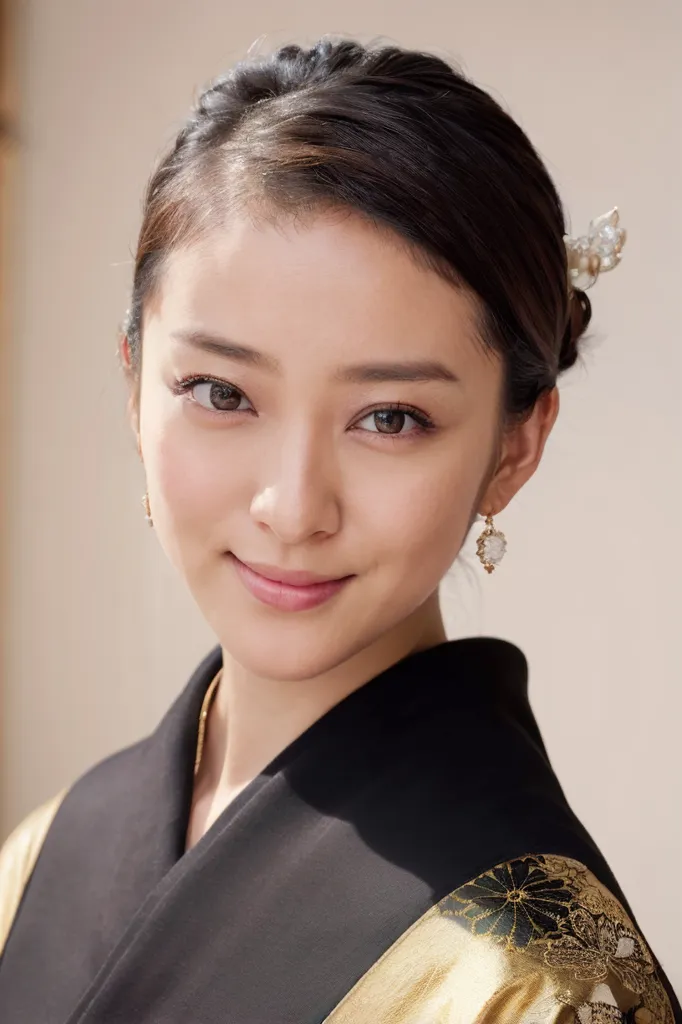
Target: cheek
[
  {"x": 198, "y": 484},
  {"x": 186, "y": 473},
  {"x": 190, "y": 481},
  {"x": 420, "y": 521}
]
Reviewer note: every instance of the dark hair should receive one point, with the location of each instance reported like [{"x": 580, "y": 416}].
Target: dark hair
[{"x": 407, "y": 141}]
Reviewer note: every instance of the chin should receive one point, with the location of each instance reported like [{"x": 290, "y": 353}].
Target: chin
[
  {"x": 291, "y": 650},
  {"x": 274, "y": 655}
]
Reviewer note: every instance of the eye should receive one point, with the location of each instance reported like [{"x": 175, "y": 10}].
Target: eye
[
  {"x": 390, "y": 420},
  {"x": 209, "y": 393},
  {"x": 212, "y": 394}
]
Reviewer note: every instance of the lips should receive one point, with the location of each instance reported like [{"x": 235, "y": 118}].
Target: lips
[
  {"x": 293, "y": 578},
  {"x": 284, "y": 595}
]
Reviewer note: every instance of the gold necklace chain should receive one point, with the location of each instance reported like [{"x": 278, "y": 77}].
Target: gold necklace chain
[{"x": 205, "y": 708}]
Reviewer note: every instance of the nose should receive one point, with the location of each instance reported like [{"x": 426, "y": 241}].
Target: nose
[{"x": 297, "y": 496}]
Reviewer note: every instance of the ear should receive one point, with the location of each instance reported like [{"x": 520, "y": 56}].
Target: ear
[
  {"x": 133, "y": 406},
  {"x": 522, "y": 446}
]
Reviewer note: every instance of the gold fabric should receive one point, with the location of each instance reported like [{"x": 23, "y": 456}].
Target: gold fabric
[
  {"x": 537, "y": 940},
  {"x": 17, "y": 859}
]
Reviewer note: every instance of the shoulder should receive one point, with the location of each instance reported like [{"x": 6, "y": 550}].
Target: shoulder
[
  {"x": 18, "y": 856},
  {"x": 537, "y": 939}
]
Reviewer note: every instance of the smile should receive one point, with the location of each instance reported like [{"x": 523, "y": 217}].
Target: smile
[{"x": 286, "y": 596}]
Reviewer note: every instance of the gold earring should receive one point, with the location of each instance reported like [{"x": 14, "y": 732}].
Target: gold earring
[
  {"x": 492, "y": 545},
  {"x": 147, "y": 509}
]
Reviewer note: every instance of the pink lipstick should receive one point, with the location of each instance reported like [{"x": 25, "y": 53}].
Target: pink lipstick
[{"x": 309, "y": 591}]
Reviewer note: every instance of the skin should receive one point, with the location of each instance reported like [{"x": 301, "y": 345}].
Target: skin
[{"x": 303, "y": 475}]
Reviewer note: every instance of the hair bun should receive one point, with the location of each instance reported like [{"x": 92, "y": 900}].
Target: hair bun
[{"x": 579, "y": 316}]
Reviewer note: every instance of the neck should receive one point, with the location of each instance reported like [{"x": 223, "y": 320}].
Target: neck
[{"x": 253, "y": 719}]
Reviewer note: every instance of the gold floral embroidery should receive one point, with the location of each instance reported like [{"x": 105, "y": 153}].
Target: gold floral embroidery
[
  {"x": 599, "y": 1013},
  {"x": 598, "y": 945},
  {"x": 553, "y": 908},
  {"x": 593, "y": 897},
  {"x": 655, "y": 1006}
]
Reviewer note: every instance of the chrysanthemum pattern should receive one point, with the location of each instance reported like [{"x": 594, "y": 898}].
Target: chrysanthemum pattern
[
  {"x": 517, "y": 902},
  {"x": 553, "y": 909}
]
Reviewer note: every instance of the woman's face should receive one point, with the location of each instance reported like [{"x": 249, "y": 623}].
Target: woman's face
[{"x": 271, "y": 359}]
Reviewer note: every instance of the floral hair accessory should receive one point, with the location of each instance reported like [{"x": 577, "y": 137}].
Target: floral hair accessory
[{"x": 596, "y": 252}]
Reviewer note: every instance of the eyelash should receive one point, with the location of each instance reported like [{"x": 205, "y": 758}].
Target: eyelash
[{"x": 182, "y": 386}]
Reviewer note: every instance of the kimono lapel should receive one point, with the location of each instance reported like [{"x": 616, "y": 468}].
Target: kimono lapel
[
  {"x": 396, "y": 796},
  {"x": 116, "y": 834}
]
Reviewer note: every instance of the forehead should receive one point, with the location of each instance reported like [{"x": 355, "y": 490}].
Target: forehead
[{"x": 334, "y": 282}]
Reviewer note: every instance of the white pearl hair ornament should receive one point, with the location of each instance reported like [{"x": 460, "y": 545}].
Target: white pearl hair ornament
[{"x": 596, "y": 252}]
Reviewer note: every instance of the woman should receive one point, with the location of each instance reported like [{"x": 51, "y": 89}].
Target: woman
[{"x": 352, "y": 299}]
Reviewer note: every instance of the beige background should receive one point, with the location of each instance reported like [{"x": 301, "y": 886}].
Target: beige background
[{"x": 100, "y": 635}]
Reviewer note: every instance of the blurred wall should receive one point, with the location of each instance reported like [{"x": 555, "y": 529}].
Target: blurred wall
[
  {"x": 7, "y": 165},
  {"x": 101, "y": 635}
]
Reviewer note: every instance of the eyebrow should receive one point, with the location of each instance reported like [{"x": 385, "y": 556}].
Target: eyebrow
[{"x": 411, "y": 370}]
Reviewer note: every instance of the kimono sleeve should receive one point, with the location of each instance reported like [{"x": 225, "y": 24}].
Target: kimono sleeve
[
  {"x": 18, "y": 856},
  {"x": 537, "y": 940}
]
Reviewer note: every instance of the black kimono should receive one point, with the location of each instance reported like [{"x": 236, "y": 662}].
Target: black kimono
[{"x": 409, "y": 859}]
